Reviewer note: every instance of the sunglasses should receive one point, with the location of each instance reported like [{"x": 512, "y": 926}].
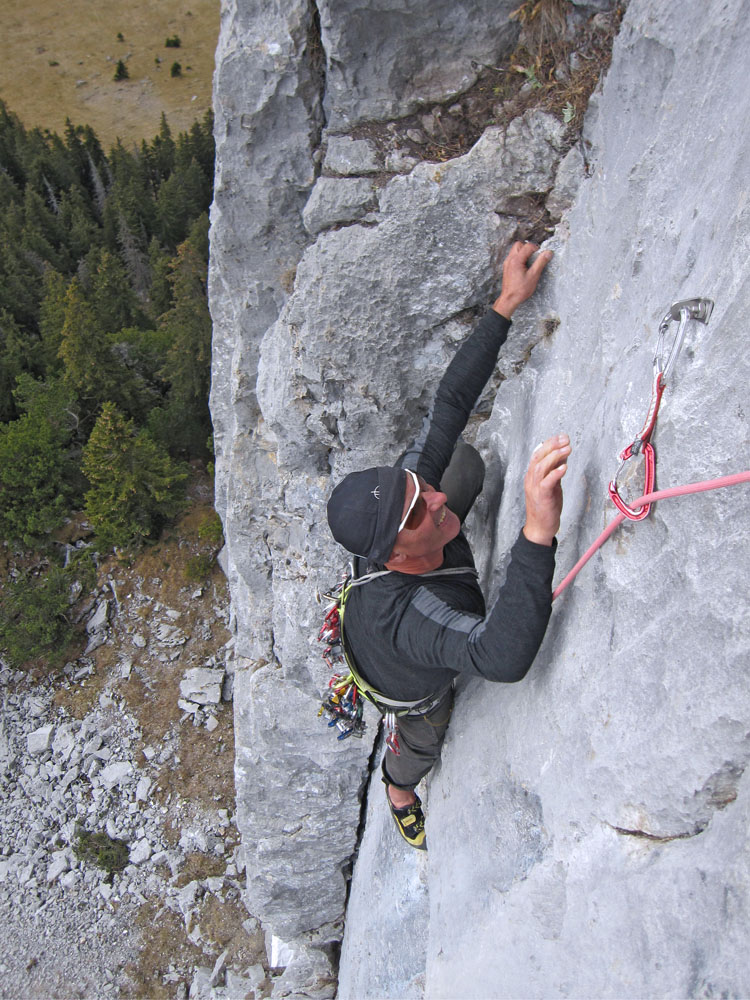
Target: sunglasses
[{"x": 417, "y": 508}]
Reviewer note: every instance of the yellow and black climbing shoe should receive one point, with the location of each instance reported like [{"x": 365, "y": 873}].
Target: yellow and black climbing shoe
[{"x": 410, "y": 822}]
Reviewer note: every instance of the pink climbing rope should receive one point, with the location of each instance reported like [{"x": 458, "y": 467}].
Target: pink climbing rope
[{"x": 675, "y": 491}]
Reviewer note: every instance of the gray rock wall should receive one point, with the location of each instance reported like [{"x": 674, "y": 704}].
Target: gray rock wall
[
  {"x": 602, "y": 828},
  {"x": 588, "y": 827},
  {"x": 297, "y": 787},
  {"x": 385, "y": 59}
]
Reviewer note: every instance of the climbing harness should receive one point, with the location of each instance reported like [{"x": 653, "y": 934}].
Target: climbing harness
[
  {"x": 344, "y": 704},
  {"x": 698, "y": 309}
]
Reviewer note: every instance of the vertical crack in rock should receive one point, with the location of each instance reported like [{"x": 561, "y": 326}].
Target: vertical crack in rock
[
  {"x": 316, "y": 59},
  {"x": 364, "y": 795}
]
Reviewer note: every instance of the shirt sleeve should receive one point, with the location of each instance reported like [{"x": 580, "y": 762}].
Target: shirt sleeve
[
  {"x": 500, "y": 647},
  {"x": 456, "y": 396}
]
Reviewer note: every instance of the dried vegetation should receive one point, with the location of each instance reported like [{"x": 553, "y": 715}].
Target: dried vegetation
[{"x": 557, "y": 63}]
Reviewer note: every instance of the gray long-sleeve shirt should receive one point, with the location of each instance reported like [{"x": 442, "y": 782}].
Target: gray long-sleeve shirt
[{"x": 410, "y": 635}]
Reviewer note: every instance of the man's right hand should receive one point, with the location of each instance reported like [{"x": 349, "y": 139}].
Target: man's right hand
[
  {"x": 520, "y": 281},
  {"x": 544, "y": 496}
]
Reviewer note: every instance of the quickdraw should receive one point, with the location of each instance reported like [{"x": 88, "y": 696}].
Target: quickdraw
[
  {"x": 391, "y": 733},
  {"x": 686, "y": 309}
]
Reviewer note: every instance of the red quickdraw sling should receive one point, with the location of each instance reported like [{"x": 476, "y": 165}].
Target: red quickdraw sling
[{"x": 699, "y": 309}]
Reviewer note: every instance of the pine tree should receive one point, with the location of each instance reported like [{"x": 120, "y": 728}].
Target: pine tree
[
  {"x": 60, "y": 170},
  {"x": 184, "y": 424},
  {"x": 34, "y": 615},
  {"x": 85, "y": 351},
  {"x": 79, "y": 224},
  {"x": 130, "y": 196},
  {"x": 198, "y": 145},
  {"x": 14, "y": 358},
  {"x": 92, "y": 368},
  {"x": 20, "y": 270},
  {"x": 42, "y": 233},
  {"x": 136, "y": 261},
  {"x": 135, "y": 486},
  {"x": 161, "y": 153},
  {"x": 34, "y": 465},
  {"x": 12, "y": 143},
  {"x": 52, "y": 318},
  {"x": 76, "y": 151},
  {"x": 10, "y": 193},
  {"x": 181, "y": 199},
  {"x": 48, "y": 399},
  {"x": 112, "y": 299},
  {"x": 160, "y": 293},
  {"x": 189, "y": 322}
]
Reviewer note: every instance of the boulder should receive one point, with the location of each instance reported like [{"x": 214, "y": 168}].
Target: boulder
[
  {"x": 345, "y": 155},
  {"x": 337, "y": 200},
  {"x": 169, "y": 635},
  {"x": 143, "y": 788},
  {"x": 61, "y": 862},
  {"x": 99, "y": 619},
  {"x": 119, "y": 773},
  {"x": 202, "y": 685},
  {"x": 140, "y": 851},
  {"x": 40, "y": 740}
]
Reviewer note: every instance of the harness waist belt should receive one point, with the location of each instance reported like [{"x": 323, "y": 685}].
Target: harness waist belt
[{"x": 421, "y": 707}]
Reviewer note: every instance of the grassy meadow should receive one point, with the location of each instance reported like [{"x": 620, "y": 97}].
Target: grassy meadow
[{"x": 58, "y": 61}]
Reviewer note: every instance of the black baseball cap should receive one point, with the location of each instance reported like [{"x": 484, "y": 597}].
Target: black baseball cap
[{"x": 365, "y": 510}]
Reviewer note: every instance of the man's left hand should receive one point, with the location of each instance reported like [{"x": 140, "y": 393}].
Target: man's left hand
[{"x": 544, "y": 496}]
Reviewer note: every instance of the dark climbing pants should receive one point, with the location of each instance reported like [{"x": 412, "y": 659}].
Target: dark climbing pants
[{"x": 421, "y": 737}]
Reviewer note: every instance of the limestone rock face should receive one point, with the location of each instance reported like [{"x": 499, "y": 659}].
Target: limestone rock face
[
  {"x": 297, "y": 787},
  {"x": 351, "y": 363},
  {"x": 268, "y": 122},
  {"x": 606, "y": 820},
  {"x": 587, "y": 826},
  {"x": 385, "y": 59}
]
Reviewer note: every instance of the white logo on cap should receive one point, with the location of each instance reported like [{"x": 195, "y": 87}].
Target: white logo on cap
[{"x": 376, "y": 492}]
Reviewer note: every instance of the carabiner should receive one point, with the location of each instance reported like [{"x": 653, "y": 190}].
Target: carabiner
[
  {"x": 391, "y": 733},
  {"x": 635, "y": 513},
  {"x": 641, "y": 443},
  {"x": 682, "y": 311}
]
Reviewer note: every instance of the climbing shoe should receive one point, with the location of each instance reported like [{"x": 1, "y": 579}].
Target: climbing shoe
[{"x": 410, "y": 822}]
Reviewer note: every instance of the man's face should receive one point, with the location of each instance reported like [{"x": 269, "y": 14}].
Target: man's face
[{"x": 430, "y": 525}]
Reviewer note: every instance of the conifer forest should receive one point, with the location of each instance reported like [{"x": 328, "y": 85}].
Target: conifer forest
[{"x": 105, "y": 341}]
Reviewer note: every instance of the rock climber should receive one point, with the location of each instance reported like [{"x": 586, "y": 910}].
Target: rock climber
[{"x": 412, "y": 631}]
